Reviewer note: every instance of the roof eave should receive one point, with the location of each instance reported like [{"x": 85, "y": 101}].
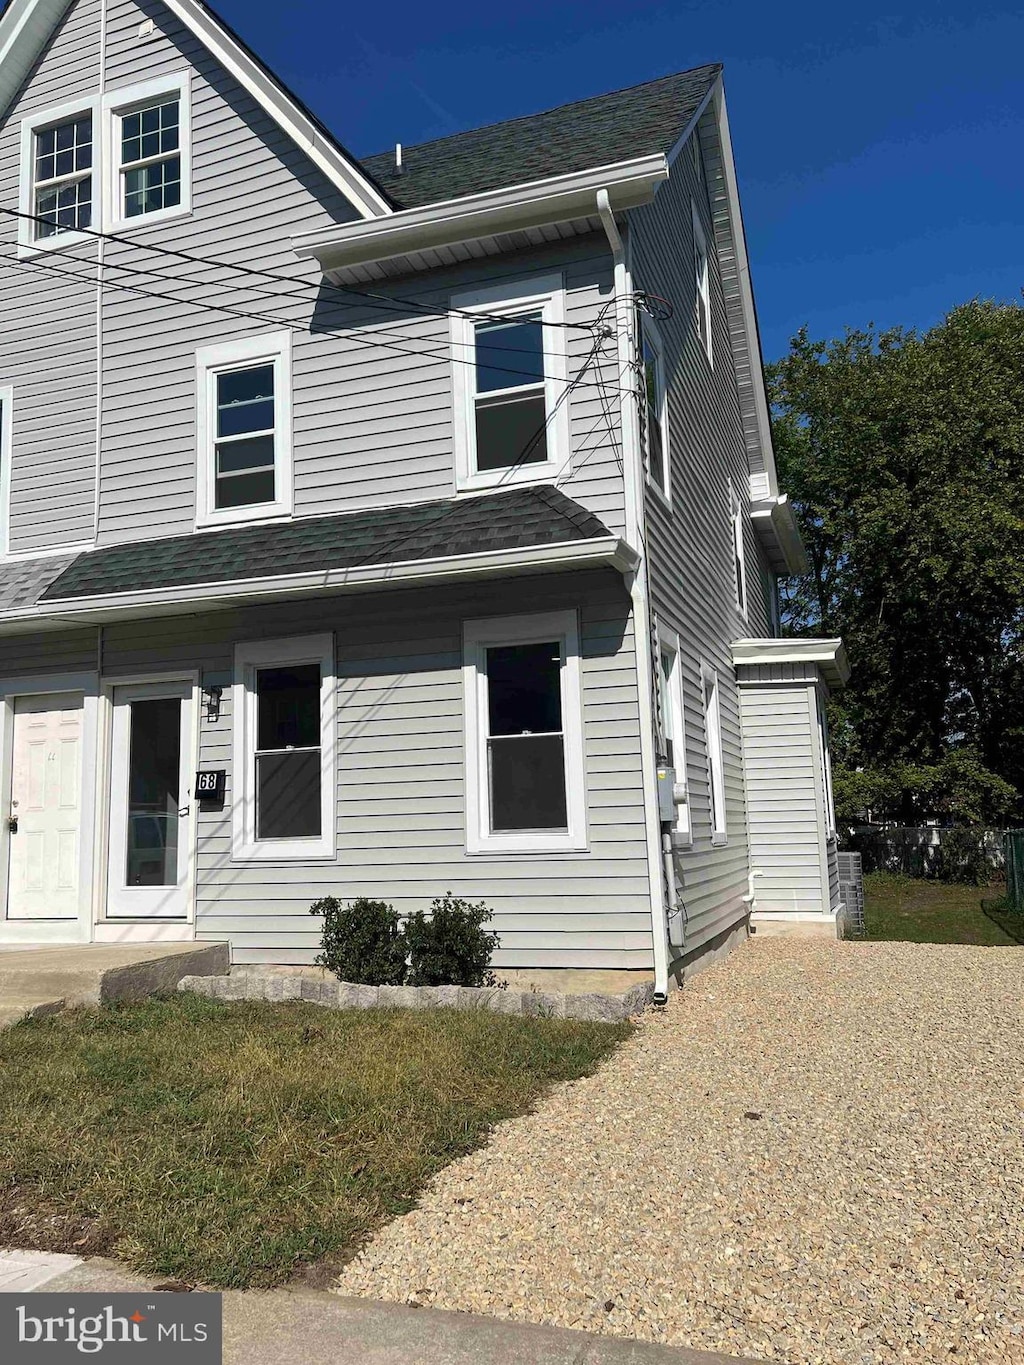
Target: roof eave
[
  {"x": 779, "y": 534},
  {"x": 453, "y": 221},
  {"x": 607, "y": 551},
  {"x": 828, "y": 656}
]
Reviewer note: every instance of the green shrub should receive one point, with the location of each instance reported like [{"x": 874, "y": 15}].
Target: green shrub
[
  {"x": 362, "y": 942},
  {"x": 450, "y": 947}
]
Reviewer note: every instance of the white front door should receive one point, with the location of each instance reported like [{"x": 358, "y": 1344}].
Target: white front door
[
  {"x": 45, "y": 810},
  {"x": 150, "y": 844}
]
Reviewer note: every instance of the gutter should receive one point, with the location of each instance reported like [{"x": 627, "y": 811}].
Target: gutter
[
  {"x": 636, "y": 581},
  {"x": 537, "y": 203},
  {"x": 187, "y": 599}
]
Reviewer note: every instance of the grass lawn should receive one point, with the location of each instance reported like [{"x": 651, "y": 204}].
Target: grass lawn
[
  {"x": 915, "y": 911},
  {"x": 235, "y": 1144}
]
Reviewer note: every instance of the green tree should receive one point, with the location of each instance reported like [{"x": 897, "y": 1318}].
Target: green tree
[{"x": 904, "y": 455}]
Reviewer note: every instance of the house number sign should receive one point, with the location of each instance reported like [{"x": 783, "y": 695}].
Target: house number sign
[{"x": 210, "y": 785}]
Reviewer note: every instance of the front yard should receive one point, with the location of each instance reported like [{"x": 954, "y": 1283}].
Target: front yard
[
  {"x": 234, "y": 1144},
  {"x": 908, "y": 910}
]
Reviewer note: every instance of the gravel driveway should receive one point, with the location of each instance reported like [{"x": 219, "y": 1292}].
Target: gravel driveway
[{"x": 814, "y": 1154}]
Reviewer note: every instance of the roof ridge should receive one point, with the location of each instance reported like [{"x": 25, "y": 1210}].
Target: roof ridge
[{"x": 554, "y": 109}]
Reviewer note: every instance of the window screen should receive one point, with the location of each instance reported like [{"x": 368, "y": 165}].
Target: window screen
[
  {"x": 525, "y": 741},
  {"x": 244, "y": 446},
  {"x": 288, "y": 757},
  {"x": 511, "y": 408}
]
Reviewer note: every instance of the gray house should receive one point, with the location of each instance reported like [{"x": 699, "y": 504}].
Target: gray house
[{"x": 386, "y": 527}]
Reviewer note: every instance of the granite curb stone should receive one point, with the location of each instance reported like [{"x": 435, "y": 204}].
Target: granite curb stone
[{"x": 266, "y": 984}]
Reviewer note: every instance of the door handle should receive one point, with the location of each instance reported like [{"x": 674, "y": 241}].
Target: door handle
[
  {"x": 183, "y": 811},
  {"x": 12, "y": 824}
]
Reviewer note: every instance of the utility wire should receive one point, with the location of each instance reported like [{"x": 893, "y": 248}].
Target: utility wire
[
  {"x": 254, "y": 271},
  {"x": 39, "y": 266}
]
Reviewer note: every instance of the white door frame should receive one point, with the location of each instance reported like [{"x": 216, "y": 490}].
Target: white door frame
[
  {"x": 73, "y": 684},
  {"x": 123, "y": 930}
]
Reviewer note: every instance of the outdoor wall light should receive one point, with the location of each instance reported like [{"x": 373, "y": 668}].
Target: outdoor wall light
[{"x": 213, "y": 696}]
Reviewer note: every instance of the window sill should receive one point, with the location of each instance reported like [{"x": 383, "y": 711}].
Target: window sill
[
  {"x": 659, "y": 492},
  {"x": 286, "y": 851},
  {"x": 241, "y": 516},
  {"x": 508, "y": 478},
  {"x": 26, "y": 250},
  {"x": 535, "y": 847},
  {"x": 719, "y": 840},
  {"x": 143, "y": 220}
]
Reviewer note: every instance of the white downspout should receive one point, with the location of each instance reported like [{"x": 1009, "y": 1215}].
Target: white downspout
[{"x": 637, "y": 584}]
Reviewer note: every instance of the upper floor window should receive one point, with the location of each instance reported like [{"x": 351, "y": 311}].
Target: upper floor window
[
  {"x": 244, "y": 430},
  {"x": 713, "y": 741},
  {"x": 151, "y": 141},
  {"x": 62, "y": 175},
  {"x": 59, "y": 192},
  {"x": 6, "y": 432},
  {"x": 702, "y": 280},
  {"x": 656, "y": 458},
  {"x": 673, "y": 724},
  {"x": 509, "y": 371},
  {"x": 739, "y": 557}
]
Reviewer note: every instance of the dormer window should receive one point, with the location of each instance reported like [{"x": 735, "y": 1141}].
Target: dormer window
[{"x": 509, "y": 371}]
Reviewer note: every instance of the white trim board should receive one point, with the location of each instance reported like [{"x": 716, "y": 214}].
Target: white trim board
[{"x": 26, "y": 28}]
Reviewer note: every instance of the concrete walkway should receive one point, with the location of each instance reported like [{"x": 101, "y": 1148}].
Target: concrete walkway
[
  {"x": 41, "y": 981},
  {"x": 323, "y": 1329}
]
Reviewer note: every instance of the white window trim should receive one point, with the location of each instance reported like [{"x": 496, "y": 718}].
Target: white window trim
[
  {"x": 28, "y": 243},
  {"x": 668, "y": 643},
  {"x": 546, "y": 292},
  {"x": 125, "y": 101},
  {"x": 272, "y": 347},
  {"x": 302, "y": 649},
  {"x": 478, "y": 636},
  {"x": 739, "y": 551},
  {"x": 713, "y": 745},
  {"x": 703, "y": 281},
  {"x": 825, "y": 762},
  {"x": 649, "y": 333},
  {"x": 6, "y": 450}
]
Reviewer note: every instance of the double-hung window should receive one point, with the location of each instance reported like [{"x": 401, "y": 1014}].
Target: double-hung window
[
  {"x": 702, "y": 281},
  {"x": 524, "y": 738},
  {"x": 739, "y": 557},
  {"x": 825, "y": 762},
  {"x": 672, "y": 734},
  {"x": 150, "y": 150},
  {"x": 654, "y": 408},
  {"x": 58, "y": 167},
  {"x": 284, "y": 726},
  {"x": 713, "y": 742},
  {"x": 244, "y": 430},
  {"x": 509, "y": 373}
]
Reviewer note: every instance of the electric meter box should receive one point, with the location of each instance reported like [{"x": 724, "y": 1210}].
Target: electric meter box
[{"x": 666, "y": 795}]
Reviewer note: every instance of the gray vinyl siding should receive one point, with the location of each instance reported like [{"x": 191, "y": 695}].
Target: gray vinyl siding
[
  {"x": 401, "y": 777},
  {"x": 783, "y": 796},
  {"x": 690, "y": 550},
  {"x": 48, "y": 339}
]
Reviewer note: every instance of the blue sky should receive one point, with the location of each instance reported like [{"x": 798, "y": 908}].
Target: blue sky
[{"x": 879, "y": 148}]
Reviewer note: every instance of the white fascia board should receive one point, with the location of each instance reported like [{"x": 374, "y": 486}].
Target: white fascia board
[
  {"x": 778, "y": 532},
  {"x": 26, "y": 28},
  {"x": 24, "y": 31},
  {"x": 829, "y": 656},
  {"x": 554, "y": 200},
  {"x": 748, "y": 310},
  {"x": 187, "y": 598}
]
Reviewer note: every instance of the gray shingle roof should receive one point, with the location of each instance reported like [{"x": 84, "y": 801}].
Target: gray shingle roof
[
  {"x": 23, "y": 582},
  {"x": 512, "y": 519},
  {"x": 629, "y": 123}
]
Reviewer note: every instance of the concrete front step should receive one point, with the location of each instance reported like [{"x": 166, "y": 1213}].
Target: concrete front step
[{"x": 38, "y": 981}]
